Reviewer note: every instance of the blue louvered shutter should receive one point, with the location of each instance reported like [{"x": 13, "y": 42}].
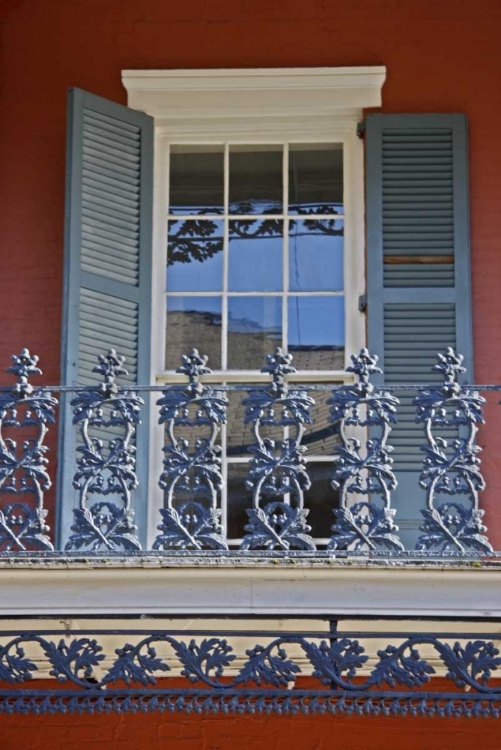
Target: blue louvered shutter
[
  {"x": 418, "y": 269},
  {"x": 108, "y": 240}
]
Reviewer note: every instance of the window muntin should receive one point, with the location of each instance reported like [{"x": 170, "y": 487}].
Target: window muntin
[{"x": 251, "y": 271}]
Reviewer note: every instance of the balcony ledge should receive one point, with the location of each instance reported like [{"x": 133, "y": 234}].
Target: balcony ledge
[{"x": 165, "y": 585}]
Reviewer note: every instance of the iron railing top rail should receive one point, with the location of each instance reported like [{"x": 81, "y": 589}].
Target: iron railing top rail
[{"x": 293, "y": 385}]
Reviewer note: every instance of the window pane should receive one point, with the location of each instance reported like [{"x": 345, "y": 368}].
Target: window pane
[
  {"x": 316, "y": 178},
  {"x": 196, "y": 180},
  {"x": 322, "y": 437},
  {"x": 193, "y": 322},
  {"x": 195, "y": 256},
  {"x": 254, "y": 330},
  {"x": 321, "y": 499},
  {"x": 316, "y": 332},
  {"x": 316, "y": 256},
  {"x": 255, "y": 257},
  {"x": 256, "y": 184},
  {"x": 239, "y": 500}
]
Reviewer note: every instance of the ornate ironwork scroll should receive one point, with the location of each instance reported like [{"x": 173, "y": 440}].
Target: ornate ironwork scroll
[
  {"x": 106, "y": 467},
  {"x": 278, "y": 468},
  {"x": 451, "y": 469},
  {"x": 364, "y": 471},
  {"x": 25, "y": 411},
  {"x": 191, "y": 477},
  {"x": 345, "y": 675}
]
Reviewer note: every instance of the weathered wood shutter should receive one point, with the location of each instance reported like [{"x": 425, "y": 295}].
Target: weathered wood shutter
[
  {"x": 418, "y": 269},
  {"x": 107, "y": 290}
]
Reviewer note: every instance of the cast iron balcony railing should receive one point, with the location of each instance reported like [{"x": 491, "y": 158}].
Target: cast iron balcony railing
[
  {"x": 363, "y": 479},
  {"x": 258, "y": 671}
]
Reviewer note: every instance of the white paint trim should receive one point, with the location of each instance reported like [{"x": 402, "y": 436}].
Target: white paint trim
[
  {"x": 189, "y": 589},
  {"x": 238, "y": 78},
  {"x": 175, "y": 95}
]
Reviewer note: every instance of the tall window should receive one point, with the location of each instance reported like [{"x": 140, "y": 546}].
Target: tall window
[{"x": 255, "y": 260}]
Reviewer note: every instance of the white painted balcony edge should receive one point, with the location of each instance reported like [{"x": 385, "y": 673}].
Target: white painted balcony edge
[{"x": 150, "y": 586}]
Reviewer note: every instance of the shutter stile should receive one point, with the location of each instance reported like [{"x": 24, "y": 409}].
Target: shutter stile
[
  {"x": 418, "y": 278},
  {"x": 107, "y": 267}
]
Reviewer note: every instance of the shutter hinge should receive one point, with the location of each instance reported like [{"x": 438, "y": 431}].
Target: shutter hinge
[
  {"x": 362, "y": 303},
  {"x": 361, "y": 129}
]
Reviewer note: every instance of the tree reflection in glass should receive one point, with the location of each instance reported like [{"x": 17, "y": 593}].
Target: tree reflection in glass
[
  {"x": 255, "y": 255},
  {"x": 195, "y": 256}
]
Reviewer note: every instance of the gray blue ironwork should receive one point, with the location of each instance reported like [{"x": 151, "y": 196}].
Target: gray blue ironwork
[
  {"x": 105, "y": 467},
  {"x": 451, "y": 469},
  {"x": 24, "y": 476},
  {"x": 345, "y": 673},
  {"x": 278, "y": 468},
  {"x": 364, "y": 471},
  {"x": 106, "y": 416},
  {"x": 192, "y": 477}
]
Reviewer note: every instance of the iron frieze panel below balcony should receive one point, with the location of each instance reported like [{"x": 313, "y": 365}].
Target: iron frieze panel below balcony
[
  {"x": 357, "y": 513},
  {"x": 235, "y": 670}
]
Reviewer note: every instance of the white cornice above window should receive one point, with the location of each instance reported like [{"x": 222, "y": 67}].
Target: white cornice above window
[{"x": 189, "y": 98}]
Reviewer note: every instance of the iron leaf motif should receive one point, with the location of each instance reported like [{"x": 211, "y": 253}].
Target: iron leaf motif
[
  {"x": 401, "y": 666},
  {"x": 277, "y": 526},
  {"x": 450, "y": 525},
  {"x": 331, "y": 661},
  {"x": 205, "y": 661},
  {"x": 472, "y": 664},
  {"x": 75, "y": 660},
  {"x": 269, "y": 665},
  {"x": 364, "y": 526},
  {"x": 15, "y": 666},
  {"x": 191, "y": 526},
  {"x": 136, "y": 664}
]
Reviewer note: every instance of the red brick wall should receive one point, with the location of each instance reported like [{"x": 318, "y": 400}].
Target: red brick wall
[
  {"x": 162, "y": 731},
  {"x": 441, "y": 55}
]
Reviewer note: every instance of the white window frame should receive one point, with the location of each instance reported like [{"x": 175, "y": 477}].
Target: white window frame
[{"x": 253, "y": 106}]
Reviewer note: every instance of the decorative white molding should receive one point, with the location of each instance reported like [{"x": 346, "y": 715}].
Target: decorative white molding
[
  {"x": 171, "y": 96},
  {"x": 151, "y": 587}
]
